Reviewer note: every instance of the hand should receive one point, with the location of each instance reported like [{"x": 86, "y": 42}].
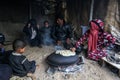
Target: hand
[{"x": 73, "y": 49}]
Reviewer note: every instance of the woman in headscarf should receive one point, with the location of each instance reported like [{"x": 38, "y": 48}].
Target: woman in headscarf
[
  {"x": 97, "y": 40},
  {"x": 31, "y": 32}
]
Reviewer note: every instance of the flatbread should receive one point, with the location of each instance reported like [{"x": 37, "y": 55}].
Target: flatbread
[{"x": 65, "y": 52}]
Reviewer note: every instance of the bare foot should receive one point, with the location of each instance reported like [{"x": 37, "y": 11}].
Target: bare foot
[{"x": 32, "y": 76}]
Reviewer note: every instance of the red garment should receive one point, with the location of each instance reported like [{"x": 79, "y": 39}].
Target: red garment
[{"x": 93, "y": 37}]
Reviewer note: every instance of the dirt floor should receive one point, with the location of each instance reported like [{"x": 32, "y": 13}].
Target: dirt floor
[{"x": 91, "y": 69}]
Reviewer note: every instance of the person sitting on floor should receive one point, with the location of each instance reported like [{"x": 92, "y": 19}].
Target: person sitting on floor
[
  {"x": 46, "y": 34},
  {"x": 5, "y": 69},
  {"x": 97, "y": 39},
  {"x": 31, "y": 32},
  {"x": 62, "y": 33},
  {"x": 3, "y": 54},
  {"x": 20, "y": 65}
]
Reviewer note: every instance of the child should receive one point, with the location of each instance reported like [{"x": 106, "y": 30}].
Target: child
[
  {"x": 19, "y": 63},
  {"x": 46, "y": 34}
]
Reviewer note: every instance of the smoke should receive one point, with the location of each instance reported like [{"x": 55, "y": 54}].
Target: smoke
[{"x": 46, "y": 36}]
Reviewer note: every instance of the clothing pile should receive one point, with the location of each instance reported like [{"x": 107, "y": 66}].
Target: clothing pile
[
  {"x": 117, "y": 49},
  {"x": 116, "y": 33},
  {"x": 113, "y": 57}
]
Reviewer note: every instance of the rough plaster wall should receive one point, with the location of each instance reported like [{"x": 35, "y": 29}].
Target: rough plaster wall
[
  {"x": 11, "y": 30},
  {"x": 13, "y": 17},
  {"x": 78, "y": 14},
  {"x": 113, "y": 15},
  {"x": 108, "y": 11}
]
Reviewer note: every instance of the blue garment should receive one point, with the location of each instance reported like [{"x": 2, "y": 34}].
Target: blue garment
[{"x": 5, "y": 72}]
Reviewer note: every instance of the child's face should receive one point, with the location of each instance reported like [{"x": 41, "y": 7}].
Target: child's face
[
  {"x": 21, "y": 50},
  {"x": 46, "y": 24}
]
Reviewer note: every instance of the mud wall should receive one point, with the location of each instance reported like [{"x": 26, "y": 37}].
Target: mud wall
[{"x": 14, "y": 14}]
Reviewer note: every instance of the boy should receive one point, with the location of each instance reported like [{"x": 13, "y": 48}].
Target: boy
[{"x": 19, "y": 63}]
